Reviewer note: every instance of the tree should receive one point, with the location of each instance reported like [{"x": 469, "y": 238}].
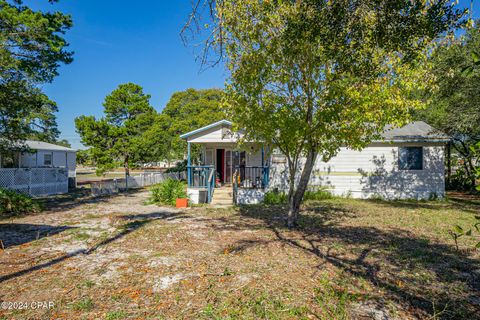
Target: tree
[
  {"x": 25, "y": 112},
  {"x": 119, "y": 136},
  {"x": 455, "y": 106},
  {"x": 309, "y": 77},
  {"x": 84, "y": 157},
  {"x": 31, "y": 50},
  {"x": 185, "y": 111},
  {"x": 64, "y": 143}
]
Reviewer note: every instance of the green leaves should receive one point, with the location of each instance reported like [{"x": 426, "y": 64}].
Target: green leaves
[
  {"x": 168, "y": 191},
  {"x": 185, "y": 111},
  {"x": 454, "y": 108},
  {"x": 32, "y": 45},
  {"x": 119, "y": 137},
  {"x": 458, "y": 229},
  {"x": 457, "y": 232},
  {"x": 474, "y": 65},
  {"x": 310, "y": 77},
  {"x": 32, "y": 48},
  {"x": 132, "y": 131}
]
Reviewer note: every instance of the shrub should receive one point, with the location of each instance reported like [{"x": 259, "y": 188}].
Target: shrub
[
  {"x": 460, "y": 181},
  {"x": 14, "y": 203},
  {"x": 168, "y": 191},
  {"x": 275, "y": 197},
  {"x": 179, "y": 167},
  {"x": 319, "y": 194}
]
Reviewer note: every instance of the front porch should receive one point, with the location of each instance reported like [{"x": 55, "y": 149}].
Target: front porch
[{"x": 221, "y": 164}]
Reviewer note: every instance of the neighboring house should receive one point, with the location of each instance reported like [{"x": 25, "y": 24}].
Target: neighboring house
[
  {"x": 47, "y": 167},
  {"x": 407, "y": 163}
]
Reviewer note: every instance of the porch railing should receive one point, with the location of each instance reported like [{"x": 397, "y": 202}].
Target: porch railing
[
  {"x": 252, "y": 177},
  {"x": 202, "y": 177}
]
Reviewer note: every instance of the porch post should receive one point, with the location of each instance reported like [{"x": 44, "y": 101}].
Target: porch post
[
  {"x": 263, "y": 168},
  {"x": 188, "y": 165},
  {"x": 263, "y": 156}
]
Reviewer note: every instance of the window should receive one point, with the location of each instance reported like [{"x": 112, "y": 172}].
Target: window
[
  {"x": 47, "y": 160},
  {"x": 410, "y": 158}
]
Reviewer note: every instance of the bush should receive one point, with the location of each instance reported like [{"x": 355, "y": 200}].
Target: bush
[
  {"x": 179, "y": 167},
  {"x": 275, "y": 197},
  {"x": 168, "y": 191},
  {"x": 14, "y": 203},
  {"x": 460, "y": 181},
  {"x": 320, "y": 194}
]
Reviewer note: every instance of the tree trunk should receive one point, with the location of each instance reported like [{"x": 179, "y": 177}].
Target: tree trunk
[
  {"x": 467, "y": 162},
  {"x": 472, "y": 174},
  {"x": 291, "y": 182},
  {"x": 127, "y": 168},
  {"x": 296, "y": 198}
]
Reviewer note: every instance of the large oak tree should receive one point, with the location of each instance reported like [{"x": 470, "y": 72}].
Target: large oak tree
[
  {"x": 185, "y": 111},
  {"x": 455, "y": 106},
  {"x": 310, "y": 76}
]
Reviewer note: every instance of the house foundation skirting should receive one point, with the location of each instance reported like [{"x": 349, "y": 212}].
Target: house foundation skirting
[
  {"x": 250, "y": 196},
  {"x": 197, "y": 195}
]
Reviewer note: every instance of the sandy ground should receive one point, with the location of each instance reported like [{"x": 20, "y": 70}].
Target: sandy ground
[{"x": 117, "y": 258}]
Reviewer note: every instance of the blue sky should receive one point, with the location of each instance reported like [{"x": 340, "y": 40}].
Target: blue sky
[{"x": 125, "y": 41}]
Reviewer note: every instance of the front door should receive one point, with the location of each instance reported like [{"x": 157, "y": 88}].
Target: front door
[
  {"x": 221, "y": 165},
  {"x": 234, "y": 160},
  {"x": 229, "y": 167}
]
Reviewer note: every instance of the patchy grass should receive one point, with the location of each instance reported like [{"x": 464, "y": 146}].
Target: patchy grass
[
  {"x": 348, "y": 259},
  {"x": 115, "y": 315},
  {"x": 85, "y": 304}
]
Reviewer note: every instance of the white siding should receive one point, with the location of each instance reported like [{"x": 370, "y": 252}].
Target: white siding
[
  {"x": 60, "y": 159},
  {"x": 72, "y": 164},
  {"x": 254, "y": 159},
  {"x": 41, "y": 156},
  {"x": 216, "y": 134},
  {"x": 374, "y": 172},
  {"x": 28, "y": 160}
]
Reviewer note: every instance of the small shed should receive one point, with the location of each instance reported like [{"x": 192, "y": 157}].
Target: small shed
[{"x": 41, "y": 156}]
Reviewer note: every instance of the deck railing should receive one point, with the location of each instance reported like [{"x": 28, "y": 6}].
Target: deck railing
[
  {"x": 250, "y": 177},
  {"x": 202, "y": 177},
  {"x": 197, "y": 176}
]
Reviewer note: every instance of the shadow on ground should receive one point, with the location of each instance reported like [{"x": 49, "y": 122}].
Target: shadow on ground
[
  {"x": 423, "y": 277},
  {"x": 467, "y": 204},
  {"x": 132, "y": 223},
  {"x": 14, "y": 234},
  {"x": 79, "y": 197}
]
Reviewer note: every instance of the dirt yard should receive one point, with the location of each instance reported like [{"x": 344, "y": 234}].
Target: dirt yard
[{"x": 117, "y": 258}]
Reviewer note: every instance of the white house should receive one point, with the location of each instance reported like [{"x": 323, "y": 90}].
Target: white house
[
  {"x": 407, "y": 162},
  {"x": 49, "y": 168}
]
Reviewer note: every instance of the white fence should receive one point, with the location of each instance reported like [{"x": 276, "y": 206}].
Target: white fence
[
  {"x": 35, "y": 181},
  {"x": 134, "y": 182}
]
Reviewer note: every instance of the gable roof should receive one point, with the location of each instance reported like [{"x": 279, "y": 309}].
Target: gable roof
[
  {"x": 417, "y": 131},
  {"x": 210, "y": 126},
  {"x": 40, "y": 145}
]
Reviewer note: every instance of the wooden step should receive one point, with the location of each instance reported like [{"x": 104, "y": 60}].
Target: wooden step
[
  {"x": 223, "y": 194},
  {"x": 222, "y": 197},
  {"x": 222, "y": 202}
]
